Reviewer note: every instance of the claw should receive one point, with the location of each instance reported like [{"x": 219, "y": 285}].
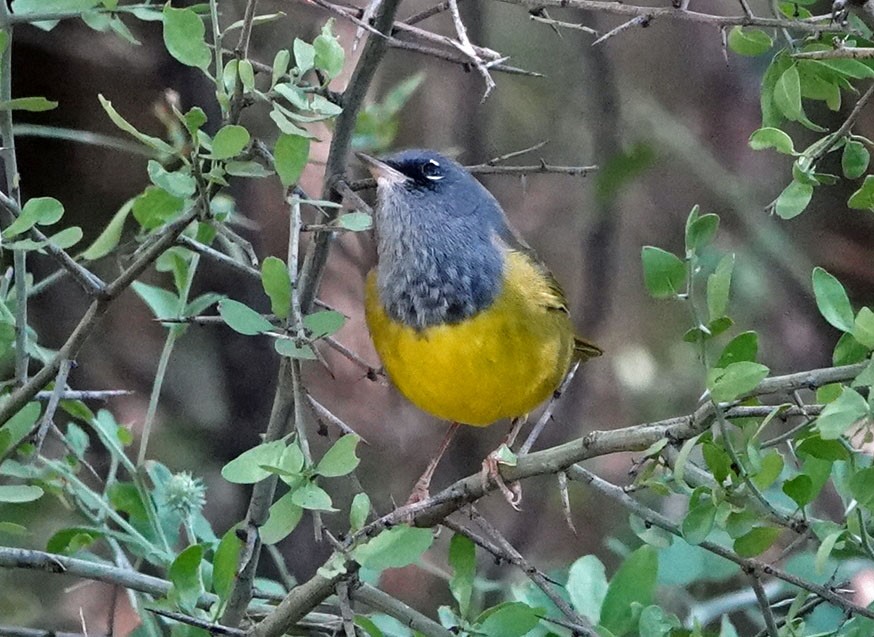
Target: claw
[{"x": 491, "y": 473}]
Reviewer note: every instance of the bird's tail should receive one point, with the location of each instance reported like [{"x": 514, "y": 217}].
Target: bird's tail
[{"x": 584, "y": 350}]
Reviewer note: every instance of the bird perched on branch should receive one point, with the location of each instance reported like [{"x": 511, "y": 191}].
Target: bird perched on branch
[{"x": 470, "y": 326}]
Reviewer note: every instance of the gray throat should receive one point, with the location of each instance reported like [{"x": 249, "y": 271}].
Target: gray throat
[{"x": 432, "y": 269}]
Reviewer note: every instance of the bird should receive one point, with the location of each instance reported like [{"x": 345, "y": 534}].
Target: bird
[{"x": 470, "y": 325}]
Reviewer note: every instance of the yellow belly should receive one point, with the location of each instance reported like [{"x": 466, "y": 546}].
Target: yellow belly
[{"x": 500, "y": 363}]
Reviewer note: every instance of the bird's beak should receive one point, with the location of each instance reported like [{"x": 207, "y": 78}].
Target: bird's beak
[{"x": 381, "y": 171}]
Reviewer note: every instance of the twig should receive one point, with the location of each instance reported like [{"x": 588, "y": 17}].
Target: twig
[
  {"x": 641, "y": 20},
  {"x": 100, "y": 395},
  {"x": 845, "y": 127},
  {"x": 218, "y": 257},
  {"x": 765, "y": 605},
  {"x": 335, "y": 168},
  {"x": 750, "y": 566},
  {"x": 408, "y": 616},
  {"x": 19, "y": 631},
  {"x": 325, "y": 413},
  {"x": 244, "y": 244},
  {"x": 57, "y": 392},
  {"x": 346, "y": 612},
  {"x": 842, "y": 53},
  {"x": 165, "y": 239},
  {"x": 213, "y": 629},
  {"x": 488, "y": 169},
  {"x": 90, "y": 282},
  {"x": 508, "y": 552},
  {"x": 465, "y": 46},
  {"x": 427, "y": 13},
  {"x": 563, "y": 25},
  {"x": 516, "y": 153},
  {"x": 618, "y": 8},
  {"x": 241, "y": 52},
  {"x": 546, "y": 416},
  {"x": 372, "y": 372}
]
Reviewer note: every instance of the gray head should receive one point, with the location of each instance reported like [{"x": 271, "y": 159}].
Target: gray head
[{"x": 439, "y": 232}]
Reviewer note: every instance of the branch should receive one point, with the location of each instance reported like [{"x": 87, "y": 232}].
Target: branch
[
  {"x": 435, "y": 509},
  {"x": 17, "y": 399},
  {"x": 617, "y": 8},
  {"x": 408, "y": 616},
  {"x": 842, "y": 53},
  {"x": 750, "y": 566}
]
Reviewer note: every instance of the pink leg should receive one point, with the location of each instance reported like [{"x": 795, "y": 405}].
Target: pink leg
[{"x": 423, "y": 484}]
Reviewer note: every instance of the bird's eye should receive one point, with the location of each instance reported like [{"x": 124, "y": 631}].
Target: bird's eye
[{"x": 431, "y": 170}]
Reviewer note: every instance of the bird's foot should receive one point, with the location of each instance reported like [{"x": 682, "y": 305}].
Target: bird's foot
[
  {"x": 421, "y": 491},
  {"x": 491, "y": 473}
]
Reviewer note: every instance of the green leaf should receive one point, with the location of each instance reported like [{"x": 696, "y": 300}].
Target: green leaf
[
  {"x": 312, "y": 496},
  {"x": 853, "y": 69},
  {"x": 329, "y": 55},
  {"x": 72, "y": 540},
  {"x": 863, "y": 327},
  {"x": 225, "y": 563},
  {"x": 155, "y": 207},
  {"x": 772, "y": 138},
  {"x": 655, "y": 622},
  {"x": 855, "y": 158},
  {"x": 749, "y": 42},
  {"x": 323, "y": 323},
  {"x": 32, "y": 104},
  {"x": 184, "y": 37},
  {"x": 510, "y": 619},
  {"x": 787, "y": 94},
  {"x": 355, "y": 221},
  {"x": 701, "y": 231},
  {"x": 793, "y": 200},
  {"x": 11, "y": 528},
  {"x": 66, "y": 238},
  {"x": 290, "y": 158},
  {"x": 153, "y": 142},
  {"x": 699, "y": 522},
  {"x": 358, "y": 511},
  {"x": 394, "y": 548},
  {"x": 664, "y": 273},
  {"x": 719, "y": 286},
  {"x": 280, "y": 65},
  {"x": 587, "y": 586},
  {"x": 18, "y": 493},
  {"x": 815, "y": 446},
  {"x": 277, "y": 285},
  {"x": 862, "y": 486},
  {"x": 863, "y": 198},
  {"x": 462, "y": 561},
  {"x": 727, "y": 384},
  {"x": 800, "y": 489},
  {"x": 340, "y": 459},
  {"x": 247, "y": 169},
  {"x": 304, "y": 55},
  {"x": 42, "y": 211},
  {"x": 284, "y": 517},
  {"x": 194, "y": 119},
  {"x": 179, "y": 183},
  {"x": 743, "y": 347},
  {"x": 247, "y": 467},
  {"x": 770, "y": 469},
  {"x": 832, "y": 300},
  {"x": 108, "y": 240},
  {"x": 243, "y": 319},
  {"x": 771, "y": 116},
  {"x": 841, "y": 414},
  {"x": 288, "y": 347},
  {"x": 634, "y": 583},
  {"x": 848, "y": 351},
  {"x": 163, "y": 303},
  {"x": 229, "y": 141},
  {"x": 184, "y": 574},
  {"x": 757, "y": 541}
]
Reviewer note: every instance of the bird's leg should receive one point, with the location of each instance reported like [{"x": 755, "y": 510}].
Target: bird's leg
[
  {"x": 420, "y": 491},
  {"x": 504, "y": 455}
]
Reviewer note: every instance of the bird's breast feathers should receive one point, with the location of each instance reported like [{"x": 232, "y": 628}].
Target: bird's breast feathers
[{"x": 500, "y": 362}]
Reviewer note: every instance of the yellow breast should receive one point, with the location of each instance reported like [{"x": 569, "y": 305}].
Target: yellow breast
[{"x": 500, "y": 363}]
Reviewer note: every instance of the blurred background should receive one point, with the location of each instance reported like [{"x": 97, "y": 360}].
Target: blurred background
[{"x": 660, "y": 106}]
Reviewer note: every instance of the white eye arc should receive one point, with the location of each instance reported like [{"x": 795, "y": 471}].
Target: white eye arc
[{"x": 431, "y": 170}]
